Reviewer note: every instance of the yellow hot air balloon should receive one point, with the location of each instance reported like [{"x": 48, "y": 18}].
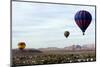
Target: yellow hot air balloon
[{"x": 21, "y": 45}]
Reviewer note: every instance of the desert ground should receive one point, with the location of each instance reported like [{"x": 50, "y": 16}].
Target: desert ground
[{"x": 37, "y": 57}]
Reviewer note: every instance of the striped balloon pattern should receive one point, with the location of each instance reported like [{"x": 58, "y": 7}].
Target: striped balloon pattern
[{"x": 83, "y": 19}]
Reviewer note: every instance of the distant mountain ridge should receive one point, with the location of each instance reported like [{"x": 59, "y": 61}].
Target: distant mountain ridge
[
  {"x": 85, "y": 47},
  {"x": 14, "y": 51},
  {"x": 72, "y": 47}
]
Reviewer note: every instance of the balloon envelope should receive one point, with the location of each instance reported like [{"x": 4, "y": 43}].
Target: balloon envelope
[
  {"x": 83, "y": 19},
  {"x": 21, "y": 45},
  {"x": 66, "y": 34}
]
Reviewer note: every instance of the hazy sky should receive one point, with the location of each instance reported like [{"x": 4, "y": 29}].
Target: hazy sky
[{"x": 43, "y": 25}]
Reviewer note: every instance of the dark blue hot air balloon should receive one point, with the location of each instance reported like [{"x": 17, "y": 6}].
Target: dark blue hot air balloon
[{"x": 83, "y": 19}]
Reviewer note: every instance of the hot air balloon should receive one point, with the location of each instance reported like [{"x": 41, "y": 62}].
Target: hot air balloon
[
  {"x": 21, "y": 45},
  {"x": 66, "y": 34},
  {"x": 83, "y": 19}
]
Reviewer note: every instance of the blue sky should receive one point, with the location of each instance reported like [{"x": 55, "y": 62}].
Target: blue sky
[{"x": 43, "y": 25}]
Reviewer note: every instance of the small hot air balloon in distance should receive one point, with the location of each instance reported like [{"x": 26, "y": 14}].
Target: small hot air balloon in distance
[
  {"x": 83, "y": 19},
  {"x": 66, "y": 34},
  {"x": 21, "y": 45}
]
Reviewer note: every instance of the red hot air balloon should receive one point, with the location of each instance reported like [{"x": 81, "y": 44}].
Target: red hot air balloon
[{"x": 83, "y": 19}]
